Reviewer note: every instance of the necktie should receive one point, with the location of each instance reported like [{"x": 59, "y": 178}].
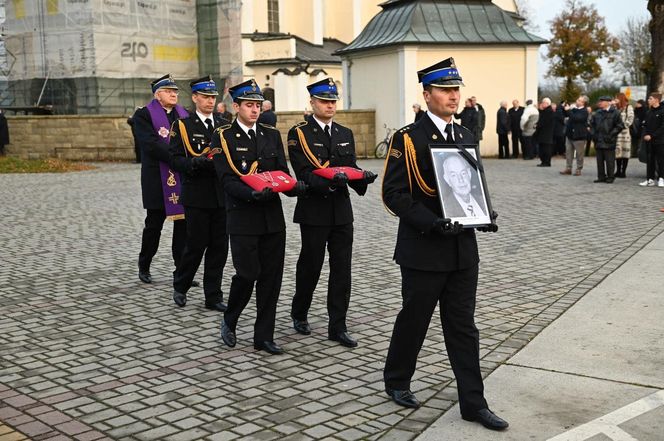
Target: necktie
[
  {"x": 448, "y": 133},
  {"x": 252, "y": 135},
  {"x": 208, "y": 123},
  {"x": 327, "y": 131},
  {"x": 471, "y": 210}
]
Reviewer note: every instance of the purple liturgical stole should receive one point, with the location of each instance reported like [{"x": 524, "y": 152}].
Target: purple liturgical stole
[{"x": 170, "y": 180}]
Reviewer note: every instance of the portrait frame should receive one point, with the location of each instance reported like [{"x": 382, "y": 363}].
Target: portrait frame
[{"x": 458, "y": 198}]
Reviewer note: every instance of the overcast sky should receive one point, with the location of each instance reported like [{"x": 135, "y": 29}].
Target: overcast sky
[{"x": 615, "y": 13}]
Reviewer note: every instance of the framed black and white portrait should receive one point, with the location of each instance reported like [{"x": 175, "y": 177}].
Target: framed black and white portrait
[{"x": 462, "y": 188}]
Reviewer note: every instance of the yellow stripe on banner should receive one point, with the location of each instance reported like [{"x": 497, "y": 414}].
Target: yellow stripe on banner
[
  {"x": 175, "y": 53},
  {"x": 52, "y": 7},
  {"x": 19, "y": 8}
]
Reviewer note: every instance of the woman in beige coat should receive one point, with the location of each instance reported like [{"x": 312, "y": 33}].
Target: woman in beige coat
[{"x": 624, "y": 142}]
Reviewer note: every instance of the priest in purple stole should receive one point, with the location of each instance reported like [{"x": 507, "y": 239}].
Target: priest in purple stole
[{"x": 160, "y": 185}]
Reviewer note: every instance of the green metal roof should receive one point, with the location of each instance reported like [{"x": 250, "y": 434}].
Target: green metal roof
[{"x": 440, "y": 22}]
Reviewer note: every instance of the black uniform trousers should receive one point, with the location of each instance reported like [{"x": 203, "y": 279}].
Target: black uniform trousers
[
  {"x": 258, "y": 259},
  {"x": 545, "y": 151},
  {"x": 206, "y": 234},
  {"x": 455, "y": 292},
  {"x": 606, "y": 163},
  {"x": 503, "y": 145},
  {"x": 655, "y": 164},
  {"x": 339, "y": 241},
  {"x": 516, "y": 138},
  {"x": 154, "y": 222}
]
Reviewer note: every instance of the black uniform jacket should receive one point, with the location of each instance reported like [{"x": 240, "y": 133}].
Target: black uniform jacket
[
  {"x": 322, "y": 206},
  {"x": 200, "y": 186},
  {"x": 153, "y": 150},
  {"x": 244, "y": 215},
  {"x": 417, "y": 247},
  {"x": 654, "y": 125}
]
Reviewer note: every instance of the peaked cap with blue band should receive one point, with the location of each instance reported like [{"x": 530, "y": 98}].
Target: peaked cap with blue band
[
  {"x": 247, "y": 91},
  {"x": 204, "y": 86},
  {"x": 324, "y": 90},
  {"x": 442, "y": 74},
  {"x": 165, "y": 82}
]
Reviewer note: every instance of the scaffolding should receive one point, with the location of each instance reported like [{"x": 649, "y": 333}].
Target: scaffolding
[{"x": 99, "y": 56}]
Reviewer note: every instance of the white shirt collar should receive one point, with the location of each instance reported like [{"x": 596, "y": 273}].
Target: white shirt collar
[
  {"x": 322, "y": 124},
  {"x": 246, "y": 128},
  {"x": 441, "y": 124},
  {"x": 203, "y": 117}
]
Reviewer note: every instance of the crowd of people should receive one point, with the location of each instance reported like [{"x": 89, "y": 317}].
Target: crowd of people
[{"x": 616, "y": 129}]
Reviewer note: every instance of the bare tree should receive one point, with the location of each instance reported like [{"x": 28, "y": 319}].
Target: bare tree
[
  {"x": 525, "y": 10},
  {"x": 656, "y": 8},
  {"x": 633, "y": 57}
]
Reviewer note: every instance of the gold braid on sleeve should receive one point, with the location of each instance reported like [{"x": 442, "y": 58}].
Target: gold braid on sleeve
[
  {"x": 411, "y": 164},
  {"x": 224, "y": 147},
  {"x": 307, "y": 151},
  {"x": 185, "y": 140}
]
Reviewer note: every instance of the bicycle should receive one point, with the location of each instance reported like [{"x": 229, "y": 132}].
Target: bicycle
[{"x": 381, "y": 148}]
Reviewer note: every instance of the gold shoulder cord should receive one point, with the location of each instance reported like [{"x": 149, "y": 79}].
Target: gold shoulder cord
[
  {"x": 410, "y": 152},
  {"x": 185, "y": 139},
  {"x": 307, "y": 151},
  {"x": 224, "y": 146}
]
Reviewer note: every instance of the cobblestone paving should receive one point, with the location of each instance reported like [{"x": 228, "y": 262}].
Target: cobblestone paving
[{"x": 88, "y": 352}]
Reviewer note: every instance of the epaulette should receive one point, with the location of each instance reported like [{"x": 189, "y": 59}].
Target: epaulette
[
  {"x": 407, "y": 128},
  {"x": 300, "y": 124},
  {"x": 224, "y": 127},
  {"x": 267, "y": 126}
]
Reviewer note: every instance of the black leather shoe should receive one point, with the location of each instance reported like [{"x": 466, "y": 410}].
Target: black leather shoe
[
  {"x": 227, "y": 335},
  {"x": 219, "y": 306},
  {"x": 609, "y": 180},
  {"x": 488, "y": 419},
  {"x": 403, "y": 398},
  {"x": 597, "y": 181},
  {"x": 544, "y": 165},
  {"x": 179, "y": 298},
  {"x": 344, "y": 339},
  {"x": 145, "y": 276},
  {"x": 302, "y": 327},
  {"x": 195, "y": 284},
  {"x": 268, "y": 346}
]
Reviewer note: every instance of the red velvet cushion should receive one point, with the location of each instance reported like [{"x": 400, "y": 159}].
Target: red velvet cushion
[
  {"x": 329, "y": 172},
  {"x": 277, "y": 180}
]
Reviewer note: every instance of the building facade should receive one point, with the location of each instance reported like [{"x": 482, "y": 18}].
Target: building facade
[{"x": 497, "y": 58}]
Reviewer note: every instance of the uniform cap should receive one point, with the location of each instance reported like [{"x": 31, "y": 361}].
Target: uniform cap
[
  {"x": 204, "y": 86},
  {"x": 324, "y": 90},
  {"x": 165, "y": 82},
  {"x": 442, "y": 74},
  {"x": 247, "y": 91}
]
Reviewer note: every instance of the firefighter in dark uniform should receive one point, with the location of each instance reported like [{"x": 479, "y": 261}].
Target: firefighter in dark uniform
[
  {"x": 202, "y": 197},
  {"x": 325, "y": 213},
  {"x": 438, "y": 259},
  {"x": 255, "y": 219},
  {"x": 154, "y": 150}
]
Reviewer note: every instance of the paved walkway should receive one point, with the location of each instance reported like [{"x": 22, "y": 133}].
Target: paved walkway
[{"x": 88, "y": 352}]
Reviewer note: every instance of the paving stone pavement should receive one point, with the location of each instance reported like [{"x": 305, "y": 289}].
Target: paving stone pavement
[{"x": 88, "y": 352}]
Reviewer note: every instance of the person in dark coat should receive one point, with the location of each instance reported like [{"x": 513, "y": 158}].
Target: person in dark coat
[
  {"x": 605, "y": 125},
  {"x": 438, "y": 259},
  {"x": 418, "y": 111},
  {"x": 267, "y": 115},
  {"x": 559, "y": 128},
  {"x": 468, "y": 116},
  {"x": 503, "y": 130},
  {"x": 636, "y": 129},
  {"x": 576, "y": 133},
  {"x": 255, "y": 219},
  {"x": 544, "y": 133},
  {"x": 325, "y": 213},
  {"x": 481, "y": 120},
  {"x": 151, "y": 125},
  {"x": 225, "y": 114},
  {"x": 4, "y": 133},
  {"x": 515, "y": 113},
  {"x": 137, "y": 148},
  {"x": 202, "y": 197},
  {"x": 653, "y": 135}
]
